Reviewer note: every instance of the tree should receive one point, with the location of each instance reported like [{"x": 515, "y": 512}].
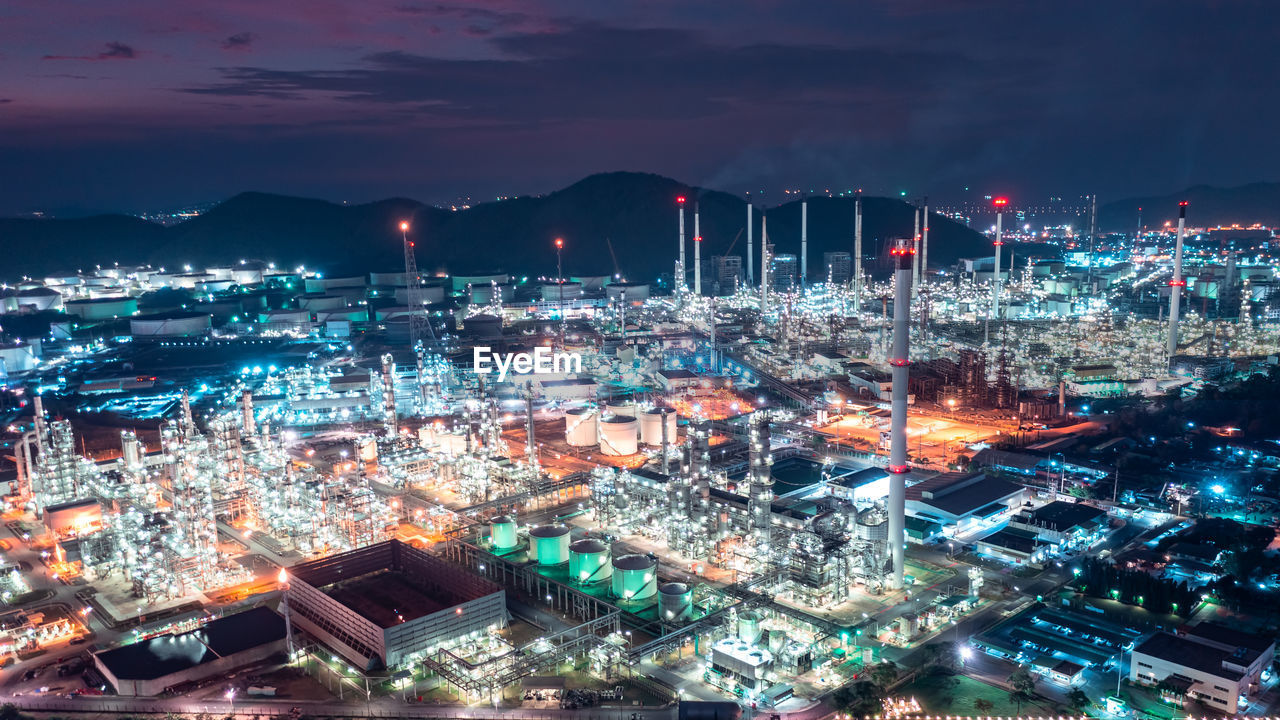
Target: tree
[
  {"x": 1022, "y": 687},
  {"x": 983, "y": 706},
  {"x": 884, "y": 674},
  {"x": 1078, "y": 700},
  {"x": 939, "y": 656},
  {"x": 863, "y": 697}
]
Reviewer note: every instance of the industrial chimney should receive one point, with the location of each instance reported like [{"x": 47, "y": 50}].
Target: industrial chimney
[
  {"x": 1176, "y": 284},
  {"x": 898, "y": 468}
]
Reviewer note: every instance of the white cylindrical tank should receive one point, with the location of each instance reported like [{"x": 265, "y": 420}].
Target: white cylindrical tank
[
  {"x": 626, "y": 408},
  {"x": 627, "y": 291},
  {"x": 502, "y": 530},
  {"x": 675, "y": 602},
  {"x": 549, "y": 544},
  {"x": 749, "y": 627},
  {"x": 618, "y": 435},
  {"x": 651, "y": 426},
  {"x": 635, "y": 577},
  {"x": 485, "y": 294},
  {"x": 589, "y": 561},
  {"x": 777, "y": 640},
  {"x": 551, "y": 291},
  {"x": 580, "y": 426}
]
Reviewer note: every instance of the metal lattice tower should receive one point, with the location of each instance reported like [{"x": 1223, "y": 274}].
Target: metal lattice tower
[{"x": 420, "y": 331}]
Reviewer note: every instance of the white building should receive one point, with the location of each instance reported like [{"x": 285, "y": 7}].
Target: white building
[{"x": 1208, "y": 662}]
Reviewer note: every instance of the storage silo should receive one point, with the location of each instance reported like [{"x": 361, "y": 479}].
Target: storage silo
[
  {"x": 618, "y": 435},
  {"x": 580, "y": 426},
  {"x": 549, "y": 544},
  {"x": 675, "y": 602},
  {"x": 502, "y": 531},
  {"x": 625, "y": 408},
  {"x": 589, "y": 561},
  {"x": 651, "y": 422},
  {"x": 635, "y": 577}
]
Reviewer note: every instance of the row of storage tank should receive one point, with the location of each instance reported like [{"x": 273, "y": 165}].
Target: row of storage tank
[
  {"x": 619, "y": 431},
  {"x": 632, "y": 578}
]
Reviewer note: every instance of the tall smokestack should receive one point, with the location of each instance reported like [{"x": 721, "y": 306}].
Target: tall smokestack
[
  {"x": 995, "y": 278},
  {"x": 680, "y": 272},
  {"x": 804, "y": 243},
  {"x": 697, "y": 254},
  {"x": 248, "y": 427},
  {"x": 715, "y": 364},
  {"x": 915, "y": 255},
  {"x": 924, "y": 244},
  {"x": 1231, "y": 269},
  {"x": 751, "y": 276},
  {"x": 857, "y": 253},
  {"x": 764, "y": 267},
  {"x": 1176, "y": 284},
  {"x": 1062, "y": 398},
  {"x": 898, "y": 468}
]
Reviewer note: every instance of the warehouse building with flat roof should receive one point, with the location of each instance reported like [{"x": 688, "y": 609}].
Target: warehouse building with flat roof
[
  {"x": 150, "y": 667},
  {"x": 380, "y": 605}
]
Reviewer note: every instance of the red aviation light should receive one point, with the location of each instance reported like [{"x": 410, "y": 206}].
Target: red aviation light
[
  {"x": 899, "y": 469},
  {"x": 698, "y": 239},
  {"x": 1000, "y": 201},
  {"x": 1181, "y": 204},
  {"x": 1177, "y": 283},
  {"x": 903, "y": 251},
  {"x": 559, "y": 243},
  {"x": 404, "y": 226},
  {"x": 680, "y": 199}
]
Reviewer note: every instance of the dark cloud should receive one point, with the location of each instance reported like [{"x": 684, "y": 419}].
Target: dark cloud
[
  {"x": 239, "y": 41},
  {"x": 5, "y": 101},
  {"x": 114, "y": 51}
]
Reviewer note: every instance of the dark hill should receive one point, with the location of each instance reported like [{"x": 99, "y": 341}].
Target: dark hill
[
  {"x": 632, "y": 212},
  {"x": 1207, "y": 205}
]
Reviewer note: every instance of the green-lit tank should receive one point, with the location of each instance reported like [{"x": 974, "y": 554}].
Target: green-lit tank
[
  {"x": 549, "y": 544},
  {"x": 635, "y": 577},
  {"x": 502, "y": 531},
  {"x": 589, "y": 561}
]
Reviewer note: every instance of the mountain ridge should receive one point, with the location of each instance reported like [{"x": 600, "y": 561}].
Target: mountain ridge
[{"x": 624, "y": 215}]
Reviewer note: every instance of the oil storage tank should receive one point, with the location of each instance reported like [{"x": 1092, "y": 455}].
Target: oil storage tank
[
  {"x": 651, "y": 422},
  {"x": 589, "y": 561},
  {"x": 635, "y": 577},
  {"x": 502, "y": 530},
  {"x": 675, "y": 602},
  {"x": 580, "y": 428},
  {"x": 618, "y": 435},
  {"x": 549, "y": 544}
]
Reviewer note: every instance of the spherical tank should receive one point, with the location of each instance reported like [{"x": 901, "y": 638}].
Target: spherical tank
[
  {"x": 635, "y": 577},
  {"x": 580, "y": 426},
  {"x": 618, "y": 435},
  {"x": 503, "y": 531},
  {"x": 551, "y": 543},
  {"x": 675, "y": 602},
  {"x": 589, "y": 561},
  {"x": 651, "y": 426}
]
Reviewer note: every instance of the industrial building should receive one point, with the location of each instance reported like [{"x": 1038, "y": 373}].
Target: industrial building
[
  {"x": 150, "y": 667},
  {"x": 380, "y": 605},
  {"x": 1209, "y": 662}
]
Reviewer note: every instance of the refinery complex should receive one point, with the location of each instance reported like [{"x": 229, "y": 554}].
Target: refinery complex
[{"x": 756, "y": 479}]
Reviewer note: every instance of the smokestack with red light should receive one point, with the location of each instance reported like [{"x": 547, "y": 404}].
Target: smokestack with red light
[
  {"x": 1000, "y": 204},
  {"x": 1177, "y": 283},
  {"x": 697, "y": 254},
  {"x": 857, "y": 253},
  {"x": 680, "y": 276},
  {"x": 924, "y": 244},
  {"x": 915, "y": 255},
  {"x": 899, "y": 362},
  {"x": 751, "y": 276}
]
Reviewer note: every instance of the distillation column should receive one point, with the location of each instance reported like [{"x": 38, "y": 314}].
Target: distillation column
[
  {"x": 857, "y": 254},
  {"x": 760, "y": 479}
]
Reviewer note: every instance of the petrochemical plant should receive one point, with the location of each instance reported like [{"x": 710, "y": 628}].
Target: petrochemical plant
[{"x": 751, "y": 481}]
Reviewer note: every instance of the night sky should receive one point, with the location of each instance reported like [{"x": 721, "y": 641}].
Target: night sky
[{"x": 151, "y": 104}]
